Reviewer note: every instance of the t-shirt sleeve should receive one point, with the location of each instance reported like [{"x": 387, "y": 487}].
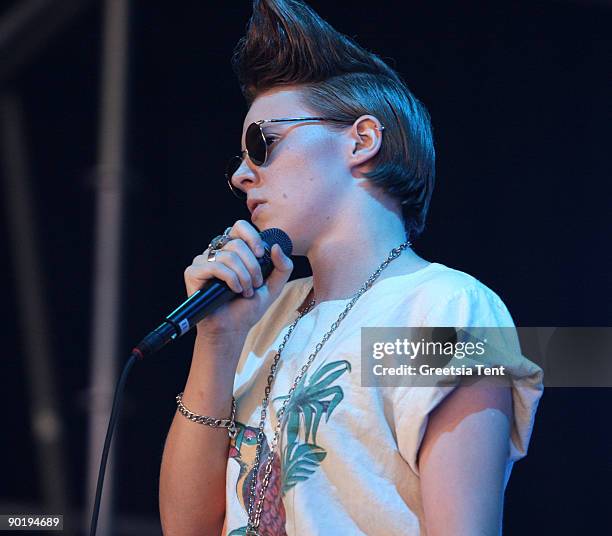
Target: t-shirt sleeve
[{"x": 475, "y": 306}]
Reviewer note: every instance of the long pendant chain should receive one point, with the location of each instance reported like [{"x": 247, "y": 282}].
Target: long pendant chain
[{"x": 255, "y": 510}]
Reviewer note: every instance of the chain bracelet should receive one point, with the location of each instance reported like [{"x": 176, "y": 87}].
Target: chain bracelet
[
  {"x": 230, "y": 424},
  {"x": 255, "y": 510}
]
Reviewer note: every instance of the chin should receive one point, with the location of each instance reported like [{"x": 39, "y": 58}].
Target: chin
[{"x": 261, "y": 225}]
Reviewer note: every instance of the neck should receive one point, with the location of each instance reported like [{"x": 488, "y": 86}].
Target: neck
[{"x": 342, "y": 261}]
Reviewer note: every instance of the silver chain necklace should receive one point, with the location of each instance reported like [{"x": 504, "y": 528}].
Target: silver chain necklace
[{"x": 255, "y": 510}]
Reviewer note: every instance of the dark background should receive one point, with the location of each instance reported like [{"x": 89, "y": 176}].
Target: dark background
[{"x": 519, "y": 97}]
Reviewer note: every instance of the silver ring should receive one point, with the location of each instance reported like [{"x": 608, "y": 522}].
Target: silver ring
[
  {"x": 219, "y": 241},
  {"x": 212, "y": 255}
]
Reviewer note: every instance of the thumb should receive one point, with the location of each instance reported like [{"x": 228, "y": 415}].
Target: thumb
[{"x": 283, "y": 266}]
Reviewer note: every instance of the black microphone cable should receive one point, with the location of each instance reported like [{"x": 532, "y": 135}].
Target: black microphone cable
[{"x": 112, "y": 424}]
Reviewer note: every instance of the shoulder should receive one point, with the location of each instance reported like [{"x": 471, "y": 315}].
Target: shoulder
[
  {"x": 449, "y": 283},
  {"x": 445, "y": 294}
]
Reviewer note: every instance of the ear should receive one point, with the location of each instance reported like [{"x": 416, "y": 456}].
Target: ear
[{"x": 366, "y": 139}]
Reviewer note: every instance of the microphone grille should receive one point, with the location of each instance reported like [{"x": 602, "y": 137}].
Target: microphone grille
[{"x": 277, "y": 236}]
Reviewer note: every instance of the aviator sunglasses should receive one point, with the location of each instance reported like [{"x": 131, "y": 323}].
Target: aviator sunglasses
[{"x": 257, "y": 147}]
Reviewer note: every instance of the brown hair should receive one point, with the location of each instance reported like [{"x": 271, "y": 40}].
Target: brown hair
[{"x": 287, "y": 43}]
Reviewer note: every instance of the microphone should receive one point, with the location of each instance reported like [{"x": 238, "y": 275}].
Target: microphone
[{"x": 204, "y": 301}]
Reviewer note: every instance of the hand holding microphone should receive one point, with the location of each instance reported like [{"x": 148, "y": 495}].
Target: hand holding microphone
[{"x": 240, "y": 267}]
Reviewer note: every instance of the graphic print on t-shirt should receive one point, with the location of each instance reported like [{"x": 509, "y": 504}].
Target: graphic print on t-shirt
[{"x": 314, "y": 397}]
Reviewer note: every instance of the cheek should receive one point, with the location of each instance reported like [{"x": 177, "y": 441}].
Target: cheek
[{"x": 312, "y": 173}]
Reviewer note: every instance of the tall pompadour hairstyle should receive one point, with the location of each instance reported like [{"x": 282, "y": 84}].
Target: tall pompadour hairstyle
[{"x": 287, "y": 43}]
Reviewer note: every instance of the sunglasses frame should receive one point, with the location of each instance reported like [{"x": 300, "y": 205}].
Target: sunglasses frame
[{"x": 244, "y": 154}]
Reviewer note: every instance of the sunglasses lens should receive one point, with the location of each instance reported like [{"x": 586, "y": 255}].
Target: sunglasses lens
[
  {"x": 231, "y": 168},
  {"x": 255, "y": 144},
  {"x": 238, "y": 193}
]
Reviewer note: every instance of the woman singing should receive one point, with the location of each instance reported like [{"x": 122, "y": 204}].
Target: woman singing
[{"x": 338, "y": 153}]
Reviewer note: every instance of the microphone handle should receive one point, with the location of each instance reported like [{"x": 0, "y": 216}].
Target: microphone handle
[{"x": 185, "y": 317}]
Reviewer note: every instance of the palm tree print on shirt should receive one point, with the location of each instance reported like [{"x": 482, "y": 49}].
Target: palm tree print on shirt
[{"x": 313, "y": 398}]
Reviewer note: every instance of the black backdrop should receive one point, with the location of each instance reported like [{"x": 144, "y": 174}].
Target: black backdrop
[{"x": 517, "y": 94}]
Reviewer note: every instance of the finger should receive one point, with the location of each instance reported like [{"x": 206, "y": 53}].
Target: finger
[
  {"x": 233, "y": 261},
  {"x": 200, "y": 274},
  {"x": 200, "y": 259},
  {"x": 248, "y": 258},
  {"x": 244, "y": 230},
  {"x": 283, "y": 266}
]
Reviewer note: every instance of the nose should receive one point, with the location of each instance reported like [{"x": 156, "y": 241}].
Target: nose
[{"x": 244, "y": 177}]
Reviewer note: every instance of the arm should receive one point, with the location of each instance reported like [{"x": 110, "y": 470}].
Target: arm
[
  {"x": 192, "y": 478},
  {"x": 462, "y": 461}
]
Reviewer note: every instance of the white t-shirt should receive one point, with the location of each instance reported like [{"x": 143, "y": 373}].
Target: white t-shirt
[{"x": 348, "y": 453}]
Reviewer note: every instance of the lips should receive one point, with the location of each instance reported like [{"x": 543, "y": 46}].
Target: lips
[
  {"x": 256, "y": 212},
  {"x": 252, "y": 204}
]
